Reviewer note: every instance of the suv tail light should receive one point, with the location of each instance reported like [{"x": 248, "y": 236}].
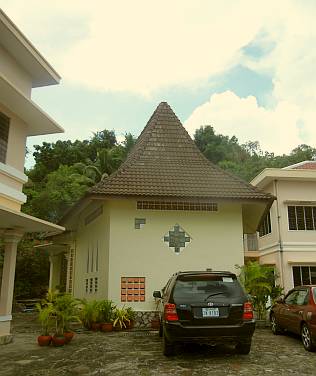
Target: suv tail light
[
  {"x": 170, "y": 312},
  {"x": 248, "y": 311}
]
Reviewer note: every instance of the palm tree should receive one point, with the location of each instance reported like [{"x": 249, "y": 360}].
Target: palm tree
[{"x": 259, "y": 281}]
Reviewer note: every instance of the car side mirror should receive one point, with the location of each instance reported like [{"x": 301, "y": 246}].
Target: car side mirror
[{"x": 157, "y": 294}]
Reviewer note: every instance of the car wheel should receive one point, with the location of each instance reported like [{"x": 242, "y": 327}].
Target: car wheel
[
  {"x": 274, "y": 325},
  {"x": 243, "y": 348},
  {"x": 167, "y": 347},
  {"x": 307, "y": 338}
]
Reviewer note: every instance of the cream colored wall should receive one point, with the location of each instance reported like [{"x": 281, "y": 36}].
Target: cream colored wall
[
  {"x": 217, "y": 242},
  {"x": 17, "y": 140},
  {"x": 12, "y": 186},
  {"x": 13, "y": 205},
  {"x": 87, "y": 237},
  {"x": 267, "y": 241},
  {"x": 14, "y": 73},
  {"x": 299, "y": 247},
  {"x": 295, "y": 191}
]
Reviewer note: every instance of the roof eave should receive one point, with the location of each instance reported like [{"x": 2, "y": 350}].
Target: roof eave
[
  {"x": 37, "y": 120},
  {"x": 17, "y": 44}
]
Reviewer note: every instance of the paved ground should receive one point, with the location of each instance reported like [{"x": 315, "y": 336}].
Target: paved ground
[{"x": 139, "y": 353}]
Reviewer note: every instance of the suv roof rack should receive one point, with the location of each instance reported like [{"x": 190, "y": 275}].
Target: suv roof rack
[{"x": 205, "y": 271}]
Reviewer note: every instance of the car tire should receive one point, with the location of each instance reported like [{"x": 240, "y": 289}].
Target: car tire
[
  {"x": 307, "y": 338},
  {"x": 275, "y": 327},
  {"x": 243, "y": 348},
  {"x": 168, "y": 348}
]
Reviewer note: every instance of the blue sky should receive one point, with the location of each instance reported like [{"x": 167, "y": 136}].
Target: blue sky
[{"x": 245, "y": 67}]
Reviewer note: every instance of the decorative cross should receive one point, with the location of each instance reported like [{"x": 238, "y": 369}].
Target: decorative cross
[{"x": 177, "y": 238}]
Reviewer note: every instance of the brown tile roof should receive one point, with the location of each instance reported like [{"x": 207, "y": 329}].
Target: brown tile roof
[
  {"x": 165, "y": 162},
  {"x": 308, "y": 165}
]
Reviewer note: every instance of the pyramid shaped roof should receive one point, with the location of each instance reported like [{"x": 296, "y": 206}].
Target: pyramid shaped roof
[{"x": 165, "y": 162}]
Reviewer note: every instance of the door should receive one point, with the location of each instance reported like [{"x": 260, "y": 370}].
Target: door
[
  {"x": 285, "y": 309},
  {"x": 295, "y": 314}
]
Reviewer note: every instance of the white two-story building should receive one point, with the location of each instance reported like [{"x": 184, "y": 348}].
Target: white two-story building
[
  {"x": 287, "y": 238},
  {"x": 22, "y": 68}
]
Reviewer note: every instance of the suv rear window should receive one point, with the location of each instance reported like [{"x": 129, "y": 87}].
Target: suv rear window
[{"x": 202, "y": 287}]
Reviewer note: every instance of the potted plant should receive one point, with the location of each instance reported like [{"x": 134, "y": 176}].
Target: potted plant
[
  {"x": 120, "y": 318},
  {"x": 131, "y": 315},
  {"x": 45, "y": 316},
  {"x": 88, "y": 313},
  {"x": 66, "y": 308},
  {"x": 106, "y": 308}
]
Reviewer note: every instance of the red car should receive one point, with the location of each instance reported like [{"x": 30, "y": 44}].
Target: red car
[{"x": 296, "y": 313}]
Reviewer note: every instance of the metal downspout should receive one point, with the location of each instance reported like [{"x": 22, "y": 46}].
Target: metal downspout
[{"x": 280, "y": 253}]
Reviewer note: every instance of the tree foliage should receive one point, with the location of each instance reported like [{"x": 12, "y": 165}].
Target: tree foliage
[
  {"x": 259, "y": 281},
  {"x": 245, "y": 160},
  {"x": 65, "y": 170}
]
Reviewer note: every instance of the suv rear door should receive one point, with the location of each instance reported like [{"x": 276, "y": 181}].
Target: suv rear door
[{"x": 208, "y": 299}]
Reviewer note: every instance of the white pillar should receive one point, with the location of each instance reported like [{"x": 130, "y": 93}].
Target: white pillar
[
  {"x": 54, "y": 272},
  {"x": 11, "y": 239}
]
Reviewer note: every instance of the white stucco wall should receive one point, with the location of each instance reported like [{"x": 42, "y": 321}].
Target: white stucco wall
[
  {"x": 14, "y": 73},
  {"x": 127, "y": 252},
  {"x": 216, "y": 243},
  {"x": 90, "y": 237},
  {"x": 10, "y": 178}
]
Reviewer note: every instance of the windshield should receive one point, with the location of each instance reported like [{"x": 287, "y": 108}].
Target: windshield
[{"x": 207, "y": 287}]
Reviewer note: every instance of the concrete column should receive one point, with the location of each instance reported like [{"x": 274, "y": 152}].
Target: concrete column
[
  {"x": 54, "y": 272},
  {"x": 11, "y": 239}
]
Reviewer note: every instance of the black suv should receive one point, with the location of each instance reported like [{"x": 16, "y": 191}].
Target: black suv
[{"x": 205, "y": 307}]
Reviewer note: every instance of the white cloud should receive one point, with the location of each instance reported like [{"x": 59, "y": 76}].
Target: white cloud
[
  {"x": 141, "y": 45},
  {"x": 275, "y": 129}
]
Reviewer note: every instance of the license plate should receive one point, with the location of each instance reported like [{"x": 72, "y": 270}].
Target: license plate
[{"x": 210, "y": 312}]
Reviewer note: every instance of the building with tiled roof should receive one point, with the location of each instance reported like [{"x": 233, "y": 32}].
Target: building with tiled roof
[
  {"x": 167, "y": 208},
  {"x": 287, "y": 237}
]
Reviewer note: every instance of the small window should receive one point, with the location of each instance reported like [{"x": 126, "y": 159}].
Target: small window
[
  {"x": 4, "y": 136},
  {"x": 304, "y": 275},
  {"x": 132, "y": 289},
  {"x": 265, "y": 227},
  {"x": 302, "y": 218},
  {"x": 139, "y": 223}
]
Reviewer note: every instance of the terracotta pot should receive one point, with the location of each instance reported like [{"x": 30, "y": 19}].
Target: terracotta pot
[
  {"x": 68, "y": 336},
  {"x": 95, "y": 326},
  {"x": 44, "y": 340},
  {"x": 117, "y": 328},
  {"x": 58, "y": 340},
  {"x": 106, "y": 327}
]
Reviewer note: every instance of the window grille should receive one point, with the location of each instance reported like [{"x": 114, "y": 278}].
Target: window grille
[
  {"x": 132, "y": 289},
  {"x": 302, "y": 217},
  {"x": 4, "y": 136},
  {"x": 265, "y": 227},
  {"x": 91, "y": 286},
  {"x": 304, "y": 275},
  {"x": 177, "y": 205}
]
